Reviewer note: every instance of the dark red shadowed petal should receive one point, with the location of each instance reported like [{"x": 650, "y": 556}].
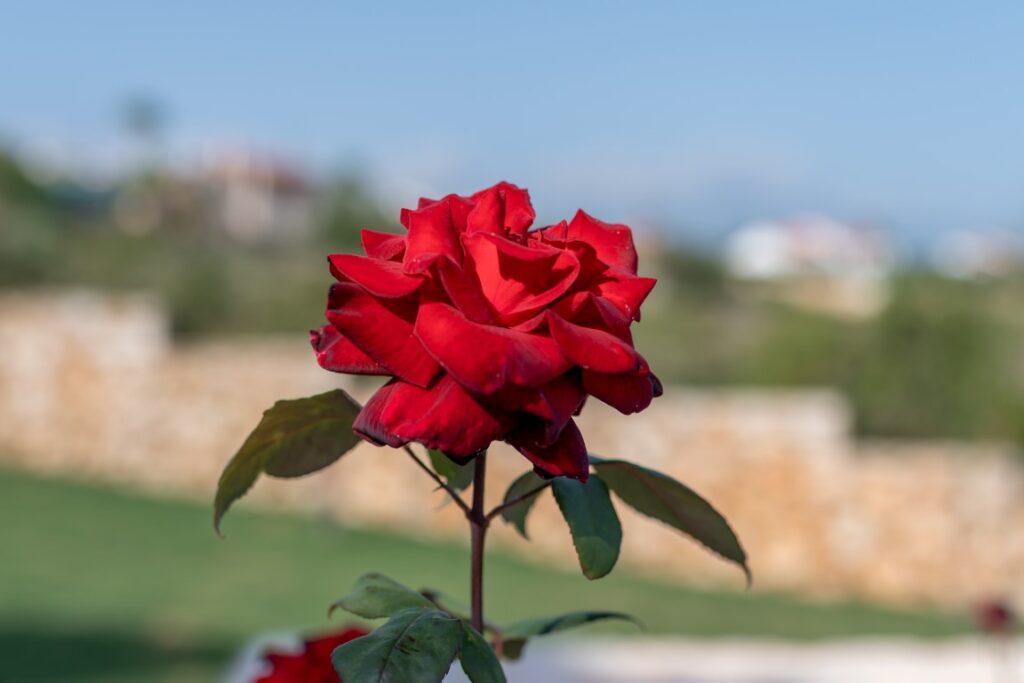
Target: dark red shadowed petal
[
  {"x": 554, "y": 404},
  {"x": 593, "y": 349},
  {"x": 484, "y": 358},
  {"x": 383, "y": 331},
  {"x": 432, "y": 235},
  {"x": 530, "y": 324},
  {"x": 626, "y": 393},
  {"x": 501, "y": 210},
  {"x": 612, "y": 242},
  {"x": 378, "y": 277},
  {"x": 567, "y": 456},
  {"x": 383, "y": 245},
  {"x": 464, "y": 292},
  {"x": 516, "y": 279},
  {"x": 626, "y": 291},
  {"x": 337, "y": 354},
  {"x": 444, "y": 416}
]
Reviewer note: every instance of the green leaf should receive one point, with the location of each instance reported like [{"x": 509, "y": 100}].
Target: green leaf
[
  {"x": 293, "y": 439},
  {"x": 659, "y": 496},
  {"x": 415, "y": 646},
  {"x": 479, "y": 662},
  {"x": 516, "y": 515},
  {"x": 375, "y": 596},
  {"x": 515, "y": 635},
  {"x": 453, "y": 606},
  {"x": 594, "y": 526},
  {"x": 457, "y": 476}
]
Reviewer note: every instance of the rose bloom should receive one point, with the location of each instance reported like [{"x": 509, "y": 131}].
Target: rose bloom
[
  {"x": 995, "y": 616},
  {"x": 312, "y": 664},
  {"x": 489, "y": 331}
]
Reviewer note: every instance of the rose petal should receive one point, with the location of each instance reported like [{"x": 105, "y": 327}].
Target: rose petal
[
  {"x": 555, "y": 403},
  {"x": 484, "y": 358},
  {"x": 590, "y": 310},
  {"x": 382, "y": 330},
  {"x": 516, "y": 279},
  {"x": 502, "y": 210},
  {"x": 444, "y": 416},
  {"x": 593, "y": 349},
  {"x": 463, "y": 290},
  {"x": 382, "y": 245},
  {"x": 613, "y": 242},
  {"x": 567, "y": 456},
  {"x": 432, "y": 235},
  {"x": 626, "y": 393},
  {"x": 336, "y": 353},
  {"x": 378, "y": 277},
  {"x": 626, "y": 291}
]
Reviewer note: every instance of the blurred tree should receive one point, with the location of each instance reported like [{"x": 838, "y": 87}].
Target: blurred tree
[
  {"x": 17, "y": 188},
  {"x": 144, "y": 121},
  {"x": 348, "y": 207}
]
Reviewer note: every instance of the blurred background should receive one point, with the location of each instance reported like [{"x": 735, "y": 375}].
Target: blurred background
[{"x": 832, "y": 198}]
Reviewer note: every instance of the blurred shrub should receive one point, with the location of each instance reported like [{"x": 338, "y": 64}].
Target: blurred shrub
[
  {"x": 938, "y": 361},
  {"x": 16, "y": 188}
]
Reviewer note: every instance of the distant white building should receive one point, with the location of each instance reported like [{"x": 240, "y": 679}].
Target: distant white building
[
  {"x": 970, "y": 254},
  {"x": 814, "y": 261},
  {"x": 256, "y": 197}
]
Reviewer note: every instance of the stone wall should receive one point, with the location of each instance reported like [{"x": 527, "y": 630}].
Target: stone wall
[{"x": 91, "y": 386}]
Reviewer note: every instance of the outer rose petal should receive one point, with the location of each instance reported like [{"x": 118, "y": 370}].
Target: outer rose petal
[
  {"x": 432, "y": 235},
  {"x": 593, "y": 349},
  {"x": 516, "y": 279},
  {"x": 382, "y": 245},
  {"x": 567, "y": 456},
  {"x": 484, "y": 358},
  {"x": 337, "y": 354},
  {"x": 383, "y": 331},
  {"x": 613, "y": 242},
  {"x": 626, "y": 291},
  {"x": 378, "y": 277},
  {"x": 444, "y": 416},
  {"x": 626, "y": 393}
]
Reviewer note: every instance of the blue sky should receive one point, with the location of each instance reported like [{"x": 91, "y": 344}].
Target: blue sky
[{"x": 689, "y": 113}]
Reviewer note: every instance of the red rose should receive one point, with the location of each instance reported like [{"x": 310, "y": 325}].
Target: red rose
[
  {"x": 489, "y": 331},
  {"x": 995, "y": 616},
  {"x": 312, "y": 664}
]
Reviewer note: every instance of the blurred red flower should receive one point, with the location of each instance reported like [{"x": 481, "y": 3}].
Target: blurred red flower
[
  {"x": 312, "y": 664},
  {"x": 995, "y": 616},
  {"x": 489, "y": 331}
]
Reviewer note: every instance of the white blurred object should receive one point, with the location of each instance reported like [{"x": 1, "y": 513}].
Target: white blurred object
[
  {"x": 666, "y": 660},
  {"x": 971, "y": 254}
]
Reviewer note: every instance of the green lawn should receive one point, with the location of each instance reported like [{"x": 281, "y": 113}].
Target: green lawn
[{"x": 97, "y": 585}]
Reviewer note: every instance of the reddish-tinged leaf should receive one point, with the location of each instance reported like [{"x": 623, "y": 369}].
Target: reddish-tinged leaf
[{"x": 293, "y": 439}]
